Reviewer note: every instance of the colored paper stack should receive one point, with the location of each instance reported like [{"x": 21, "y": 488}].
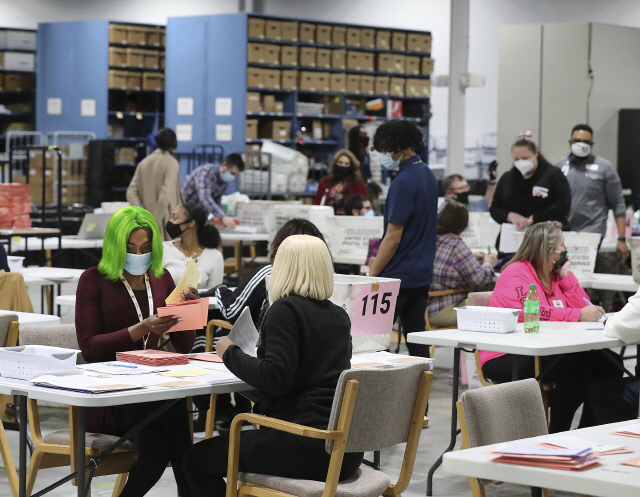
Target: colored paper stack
[
  {"x": 15, "y": 205},
  {"x": 567, "y": 459},
  {"x": 153, "y": 357}
]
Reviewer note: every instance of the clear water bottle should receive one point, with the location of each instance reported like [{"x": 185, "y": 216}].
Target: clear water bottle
[
  {"x": 635, "y": 224},
  {"x": 532, "y": 311}
]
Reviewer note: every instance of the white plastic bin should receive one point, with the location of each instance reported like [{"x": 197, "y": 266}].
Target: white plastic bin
[
  {"x": 15, "y": 263},
  {"x": 482, "y": 231},
  {"x": 112, "y": 207},
  {"x": 317, "y": 214},
  {"x": 348, "y": 237},
  {"x": 28, "y": 361},
  {"x": 487, "y": 319}
]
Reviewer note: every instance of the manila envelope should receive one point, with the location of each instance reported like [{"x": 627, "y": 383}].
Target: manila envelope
[{"x": 193, "y": 313}]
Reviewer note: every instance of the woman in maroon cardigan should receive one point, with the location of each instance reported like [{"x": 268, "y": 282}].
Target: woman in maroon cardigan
[
  {"x": 115, "y": 306},
  {"x": 344, "y": 179}
]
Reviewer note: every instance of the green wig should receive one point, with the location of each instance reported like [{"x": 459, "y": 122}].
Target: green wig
[{"x": 114, "y": 250}]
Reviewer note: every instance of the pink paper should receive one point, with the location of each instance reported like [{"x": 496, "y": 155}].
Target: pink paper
[
  {"x": 378, "y": 307},
  {"x": 193, "y": 314}
]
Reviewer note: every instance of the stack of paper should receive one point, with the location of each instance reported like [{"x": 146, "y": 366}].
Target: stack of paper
[
  {"x": 207, "y": 357},
  {"x": 82, "y": 383},
  {"x": 628, "y": 431},
  {"x": 190, "y": 277},
  {"x": 153, "y": 357},
  {"x": 571, "y": 442},
  {"x": 567, "y": 459},
  {"x": 193, "y": 313}
]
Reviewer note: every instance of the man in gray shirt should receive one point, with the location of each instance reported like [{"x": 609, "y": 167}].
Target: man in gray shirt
[{"x": 595, "y": 188}]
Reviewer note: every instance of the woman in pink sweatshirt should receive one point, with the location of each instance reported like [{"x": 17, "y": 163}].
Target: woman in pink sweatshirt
[{"x": 542, "y": 260}]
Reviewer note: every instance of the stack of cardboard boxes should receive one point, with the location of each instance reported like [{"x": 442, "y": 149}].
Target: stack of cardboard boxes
[{"x": 15, "y": 206}]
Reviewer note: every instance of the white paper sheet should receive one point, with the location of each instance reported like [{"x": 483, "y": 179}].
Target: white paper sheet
[
  {"x": 508, "y": 243},
  {"x": 244, "y": 333},
  {"x": 571, "y": 442}
]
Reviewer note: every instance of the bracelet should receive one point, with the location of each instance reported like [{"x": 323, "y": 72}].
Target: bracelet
[{"x": 622, "y": 239}]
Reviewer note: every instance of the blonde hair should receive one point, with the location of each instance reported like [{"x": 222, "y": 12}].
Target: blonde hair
[
  {"x": 302, "y": 267},
  {"x": 539, "y": 242}
]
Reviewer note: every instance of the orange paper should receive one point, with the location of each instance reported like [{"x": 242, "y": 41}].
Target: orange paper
[
  {"x": 193, "y": 313},
  {"x": 631, "y": 462},
  {"x": 205, "y": 357}
]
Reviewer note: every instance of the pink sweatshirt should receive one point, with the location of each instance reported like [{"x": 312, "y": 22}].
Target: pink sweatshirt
[{"x": 563, "y": 303}]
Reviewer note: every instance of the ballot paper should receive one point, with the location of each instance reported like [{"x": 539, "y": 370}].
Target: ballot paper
[
  {"x": 120, "y": 368},
  {"x": 572, "y": 442},
  {"x": 192, "y": 312},
  {"x": 82, "y": 383},
  {"x": 628, "y": 431},
  {"x": 566, "y": 459},
  {"x": 190, "y": 277},
  {"x": 206, "y": 357},
  {"x": 508, "y": 244},
  {"x": 244, "y": 333},
  {"x": 186, "y": 373}
]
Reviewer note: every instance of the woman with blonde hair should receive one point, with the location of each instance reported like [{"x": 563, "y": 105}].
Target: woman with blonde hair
[
  {"x": 542, "y": 260},
  {"x": 305, "y": 344},
  {"x": 344, "y": 179}
]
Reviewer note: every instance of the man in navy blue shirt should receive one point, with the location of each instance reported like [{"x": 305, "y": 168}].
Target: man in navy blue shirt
[{"x": 408, "y": 248}]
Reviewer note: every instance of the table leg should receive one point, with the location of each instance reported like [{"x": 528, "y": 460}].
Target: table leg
[
  {"x": 22, "y": 461},
  {"x": 239, "y": 260},
  {"x": 454, "y": 420},
  {"x": 81, "y": 450},
  {"x": 536, "y": 492}
]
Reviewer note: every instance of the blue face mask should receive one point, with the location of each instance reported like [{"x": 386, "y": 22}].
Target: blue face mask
[
  {"x": 369, "y": 214},
  {"x": 137, "y": 264},
  {"x": 387, "y": 162},
  {"x": 227, "y": 177}
]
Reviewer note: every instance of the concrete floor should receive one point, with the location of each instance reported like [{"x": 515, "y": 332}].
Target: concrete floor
[{"x": 433, "y": 441}]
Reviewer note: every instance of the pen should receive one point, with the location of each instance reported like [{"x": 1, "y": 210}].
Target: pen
[
  {"x": 595, "y": 329},
  {"x": 587, "y": 300},
  {"x": 119, "y": 365}
]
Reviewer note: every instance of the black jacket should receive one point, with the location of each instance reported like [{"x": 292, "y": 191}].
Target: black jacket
[
  {"x": 305, "y": 346},
  {"x": 527, "y": 196}
]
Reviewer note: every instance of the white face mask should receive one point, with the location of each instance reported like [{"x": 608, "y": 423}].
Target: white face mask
[
  {"x": 580, "y": 149},
  {"x": 525, "y": 166}
]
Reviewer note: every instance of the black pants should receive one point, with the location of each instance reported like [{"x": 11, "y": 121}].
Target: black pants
[
  {"x": 410, "y": 308},
  {"x": 165, "y": 440},
  {"x": 614, "y": 400},
  {"x": 573, "y": 375},
  {"x": 262, "y": 451}
]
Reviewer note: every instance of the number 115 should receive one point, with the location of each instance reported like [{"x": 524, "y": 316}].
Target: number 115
[{"x": 385, "y": 303}]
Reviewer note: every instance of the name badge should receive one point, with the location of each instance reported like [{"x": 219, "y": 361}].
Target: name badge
[
  {"x": 558, "y": 303},
  {"x": 540, "y": 191},
  {"x": 592, "y": 167}
]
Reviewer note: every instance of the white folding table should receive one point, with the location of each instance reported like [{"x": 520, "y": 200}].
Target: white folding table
[
  {"x": 554, "y": 338},
  {"x": 610, "y": 479},
  {"x": 50, "y": 276},
  {"x": 614, "y": 282},
  {"x": 32, "y": 319}
]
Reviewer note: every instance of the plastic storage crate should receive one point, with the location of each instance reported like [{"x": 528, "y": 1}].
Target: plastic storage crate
[
  {"x": 28, "y": 361},
  {"x": 487, "y": 319}
]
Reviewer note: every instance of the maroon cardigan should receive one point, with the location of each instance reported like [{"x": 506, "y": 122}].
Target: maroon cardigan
[
  {"x": 104, "y": 312},
  {"x": 353, "y": 188}
]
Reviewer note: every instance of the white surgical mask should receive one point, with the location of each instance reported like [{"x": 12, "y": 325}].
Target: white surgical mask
[
  {"x": 137, "y": 264},
  {"x": 580, "y": 149},
  {"x": 387, "y": 161},
  {"x": 525, "y": 166}
]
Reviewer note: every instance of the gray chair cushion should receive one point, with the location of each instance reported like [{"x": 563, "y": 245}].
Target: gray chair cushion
[
  {"x": 93, "y": 440},
  {"x": 5, "y": 321},
  {"x": 365, "y": 482}
]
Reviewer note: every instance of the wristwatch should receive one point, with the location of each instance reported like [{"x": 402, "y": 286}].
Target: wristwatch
[{"x": 622, "y": 239}]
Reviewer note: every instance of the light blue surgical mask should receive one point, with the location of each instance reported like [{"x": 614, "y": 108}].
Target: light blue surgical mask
[
  {"x": 369, "y": 214},
  {"x": 227, "y": 177},
  {"x": 136, "y": 264},
  {"x": 387, "y": 162}
]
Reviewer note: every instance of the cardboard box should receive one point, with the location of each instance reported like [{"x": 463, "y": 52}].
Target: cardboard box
[
  {"x": 338, "y": 82},
  {"x": 354, "y": 37},
  {"x": 368, "y": 38},
  {"x": 20, "y": 40},
  {"x": 152, "y": 59},
  {"x": 152, "y": 81},
  {"x": 367, "y": 85},
  {"x": 289, "y": 80},
  {"x": 339, "y": 59},
  {"x": 1, "y": 82},
  {"x": 117, "y": 57},
  {"x": 162, "y": 59},
  {"x": 353, "y": 83},
  {"x": 382, "y": 85},
  {"x": 383, "y": 39},
  {"x": 323, "y": 58},
  {"x": 323, "y": 34},
  {"x": 253, "y": 102},
  {"x": 278, "y": 107},
  {"x": 268, "y": 103},
  {"x": 307, "y": 33},
  {"x": 19, "y": 61},
  {"x": 289, "y": 30},
  {"x": 251, "y": 129},
  {"x": 272, "y": 54},
  {"x": 118, "y": 33},
  {"x": 255, "y": 53},
  {"x": 273, "y": 30},
  {"x": 327, "y": 129},
  {"x": 399, "y": 41},
  {"x": 355, "y": 61},
  {"x": 118, "y": 80},
  {"x": 275, "y": 130},
  {"x": 316, "y": 129},
  {"x": 134, "y": 80},
  {"x": 135, "y": 57},
  {"x": 2, "y": 60},
  {"x": 418, "y": 42},
  {"x": 308, "y": 56},
  {"x": 137, "y": 35},
  {"x": 324, "y": 80},
  {"x": 397, "y": 87},
  {"x": 393, "y": 63},
  {"x": 272, "y": 78},
  {"x": 255, "y": 28},
  {"x": 427, "y": 65},
  {"x": 289, "y": 56},
  {"x": 314, "y": 81},
  {"x": 339, "y": 35},
  {"x": 154, "y": 37},
  {"x": 411, "y": 65},
  {"x": 125, "y": 155},
  {"x": 367, "y": 60},
  {"x": 255, "y": 77}
]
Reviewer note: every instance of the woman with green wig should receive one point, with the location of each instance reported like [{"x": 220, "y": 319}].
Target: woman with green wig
[{"x": 116, "y": 305}]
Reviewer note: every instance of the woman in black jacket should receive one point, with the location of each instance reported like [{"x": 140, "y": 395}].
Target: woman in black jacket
[
  {"x": 533, "y": 191},
  {"x": 305, "y": 344}
]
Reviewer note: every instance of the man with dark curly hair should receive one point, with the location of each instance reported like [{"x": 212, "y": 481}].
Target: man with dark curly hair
[{"x": 408, "y": 248}]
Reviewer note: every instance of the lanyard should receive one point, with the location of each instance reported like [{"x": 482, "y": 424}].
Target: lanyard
[{"x": 135, "y": 302}]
